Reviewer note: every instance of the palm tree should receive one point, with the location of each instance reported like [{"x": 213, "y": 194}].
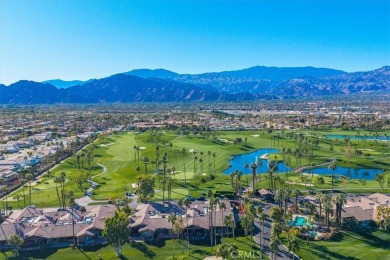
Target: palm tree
[
  {"x": 211, "y": 209},
  {"x": 24, "y": 196},
  {"x": 56, "y": 181},
  {"x": 82, "y": 156},
  {"x": 214, "y": 155},
  {"x": 246, "y": 166},
  {"x": 145, "y": 160},
  {"x": 274, "y": 244},
  {"x": 183, "y": 152},
  {"x": 339, "y": 200},
  {"x": 286, "y": 196},
  {"x": 163, "y": 182},
  {"x": 320, "y": 198},
  {"x": 135, "y": 153},
  {"x": 29, "y": 178},
  {"x": 169, "y": 183},
  {"x": 295, "y": 193},
  {"x": 157, "y": 154},
  {"x": 78, "y": 160},
  {"x": 226, "y": 221},
  {"x": 6, "y": 190},
  {"x": 262, "y": 218},
  {"x": 222, "y": 207},
  {"x": 187, "y": 204},
  {"x": 328, "y": 210},
  {"x": 259, "y": 164},
  {"x": 209, "y": 155},
  {"x": 293, "y": 246},
  {"x": 253, "y": 168},
  {"x": 172, "y": 219},
  {"x": 195, "y": 160},
  {"x": 216, "y": 203},
  {"x": 332, "y": 167},
  {"x": 63, "y": 194}
]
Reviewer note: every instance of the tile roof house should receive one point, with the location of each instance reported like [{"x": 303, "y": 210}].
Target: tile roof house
[
  {"x": 56, "y": 228},
  {"x": 363, "y": 209},
  {"x": 150, "y": 221}
]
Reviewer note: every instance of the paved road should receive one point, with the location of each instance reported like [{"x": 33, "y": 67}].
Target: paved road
[{"x": 265, "y": 239}]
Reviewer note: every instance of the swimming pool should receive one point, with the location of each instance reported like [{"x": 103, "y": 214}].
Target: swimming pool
[{"x": 300, "y": 221}]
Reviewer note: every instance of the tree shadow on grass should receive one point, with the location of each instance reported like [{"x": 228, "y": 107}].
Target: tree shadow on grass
[
  {"x": 144, "y": 249},
  {"x": 323, "y": 253}
]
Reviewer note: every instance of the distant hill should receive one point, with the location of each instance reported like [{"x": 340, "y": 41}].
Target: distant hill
[
  {"x": 249, "y": 84},
  {"x": 257, "y": 79},
  {"x": 156, "y": 73},
  {"x": 117, "y": 88},
  {"x": 58, "y": 83},
  {"x": 348, "y": 83}
]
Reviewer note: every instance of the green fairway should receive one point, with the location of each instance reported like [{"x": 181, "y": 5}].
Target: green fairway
[
  {"x": 348, "y": 245},
  {"x": 212, "y": 154},
  {"x": 161, "y": 250}
]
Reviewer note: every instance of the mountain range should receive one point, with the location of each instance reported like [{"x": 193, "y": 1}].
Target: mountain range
[{"x": 160, "y": 85}]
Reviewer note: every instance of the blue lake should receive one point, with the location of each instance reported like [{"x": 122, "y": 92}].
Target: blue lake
[
  {"x": 237, "y": 163},
  {"x": 353, "y": 137}
]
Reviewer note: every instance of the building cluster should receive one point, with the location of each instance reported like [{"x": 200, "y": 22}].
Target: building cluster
[{"x": 56, "y": 228}]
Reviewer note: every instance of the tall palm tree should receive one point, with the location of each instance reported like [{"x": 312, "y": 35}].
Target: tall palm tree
[
  {"x": 157, "y": 154},
  {"x": 286, "y": 196},
  {"x": 135, "y": 153},
  {"x": 29, "y": 178},
  {"x": 253, "y": 168},
  {"x": 339, "y": 200},
  {"x": 293, "y": 246},
  {"x": 222, "y": 207},
  {"x": 328, "y": 210},
  {"x": 210, "y": 211},
  {"x": 163, "y": 182},
  {"x": 216, "y": 203},
  {"x": 259, "y": 164},
  {"x": 214, "y": 155},
  {"x": 274, "y": 244},
  {"x": 332, "y": 166},
  {"x": 246, "y": 166},
  {"x": 226, "y": 222},
  {"x": 63, "y": 194},
  {"x": 183, "y": 152},
  {"x": 172, "y": 219},
  {"x": 321, "y": 197},
  {"x": 145, "y": 160},
  {"x": 187, "y": 204},
  {"x": 56, "y": 181},
  {"x": 295, "y": 193},
  {"x": 262, "y": 218},
  {"x": 169, "y": 183},
  {"x": 209, "y": 155},
  {"x": 6, "y": 190}
]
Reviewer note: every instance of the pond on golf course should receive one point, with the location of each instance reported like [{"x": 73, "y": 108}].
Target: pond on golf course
[{"x": 237, "y": 163}]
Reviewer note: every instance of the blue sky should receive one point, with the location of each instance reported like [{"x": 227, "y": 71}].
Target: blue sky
[{"x": 47, "y": 39}]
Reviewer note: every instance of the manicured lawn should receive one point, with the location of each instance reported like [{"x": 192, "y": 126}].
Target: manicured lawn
[
  {"x": 161, "y": 250},
  {"x": 349, "y": 245},
  {"x": 116, "y": 153}
]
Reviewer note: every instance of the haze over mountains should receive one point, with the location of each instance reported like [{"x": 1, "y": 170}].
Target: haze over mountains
[{"x": 144, "y": 85}]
